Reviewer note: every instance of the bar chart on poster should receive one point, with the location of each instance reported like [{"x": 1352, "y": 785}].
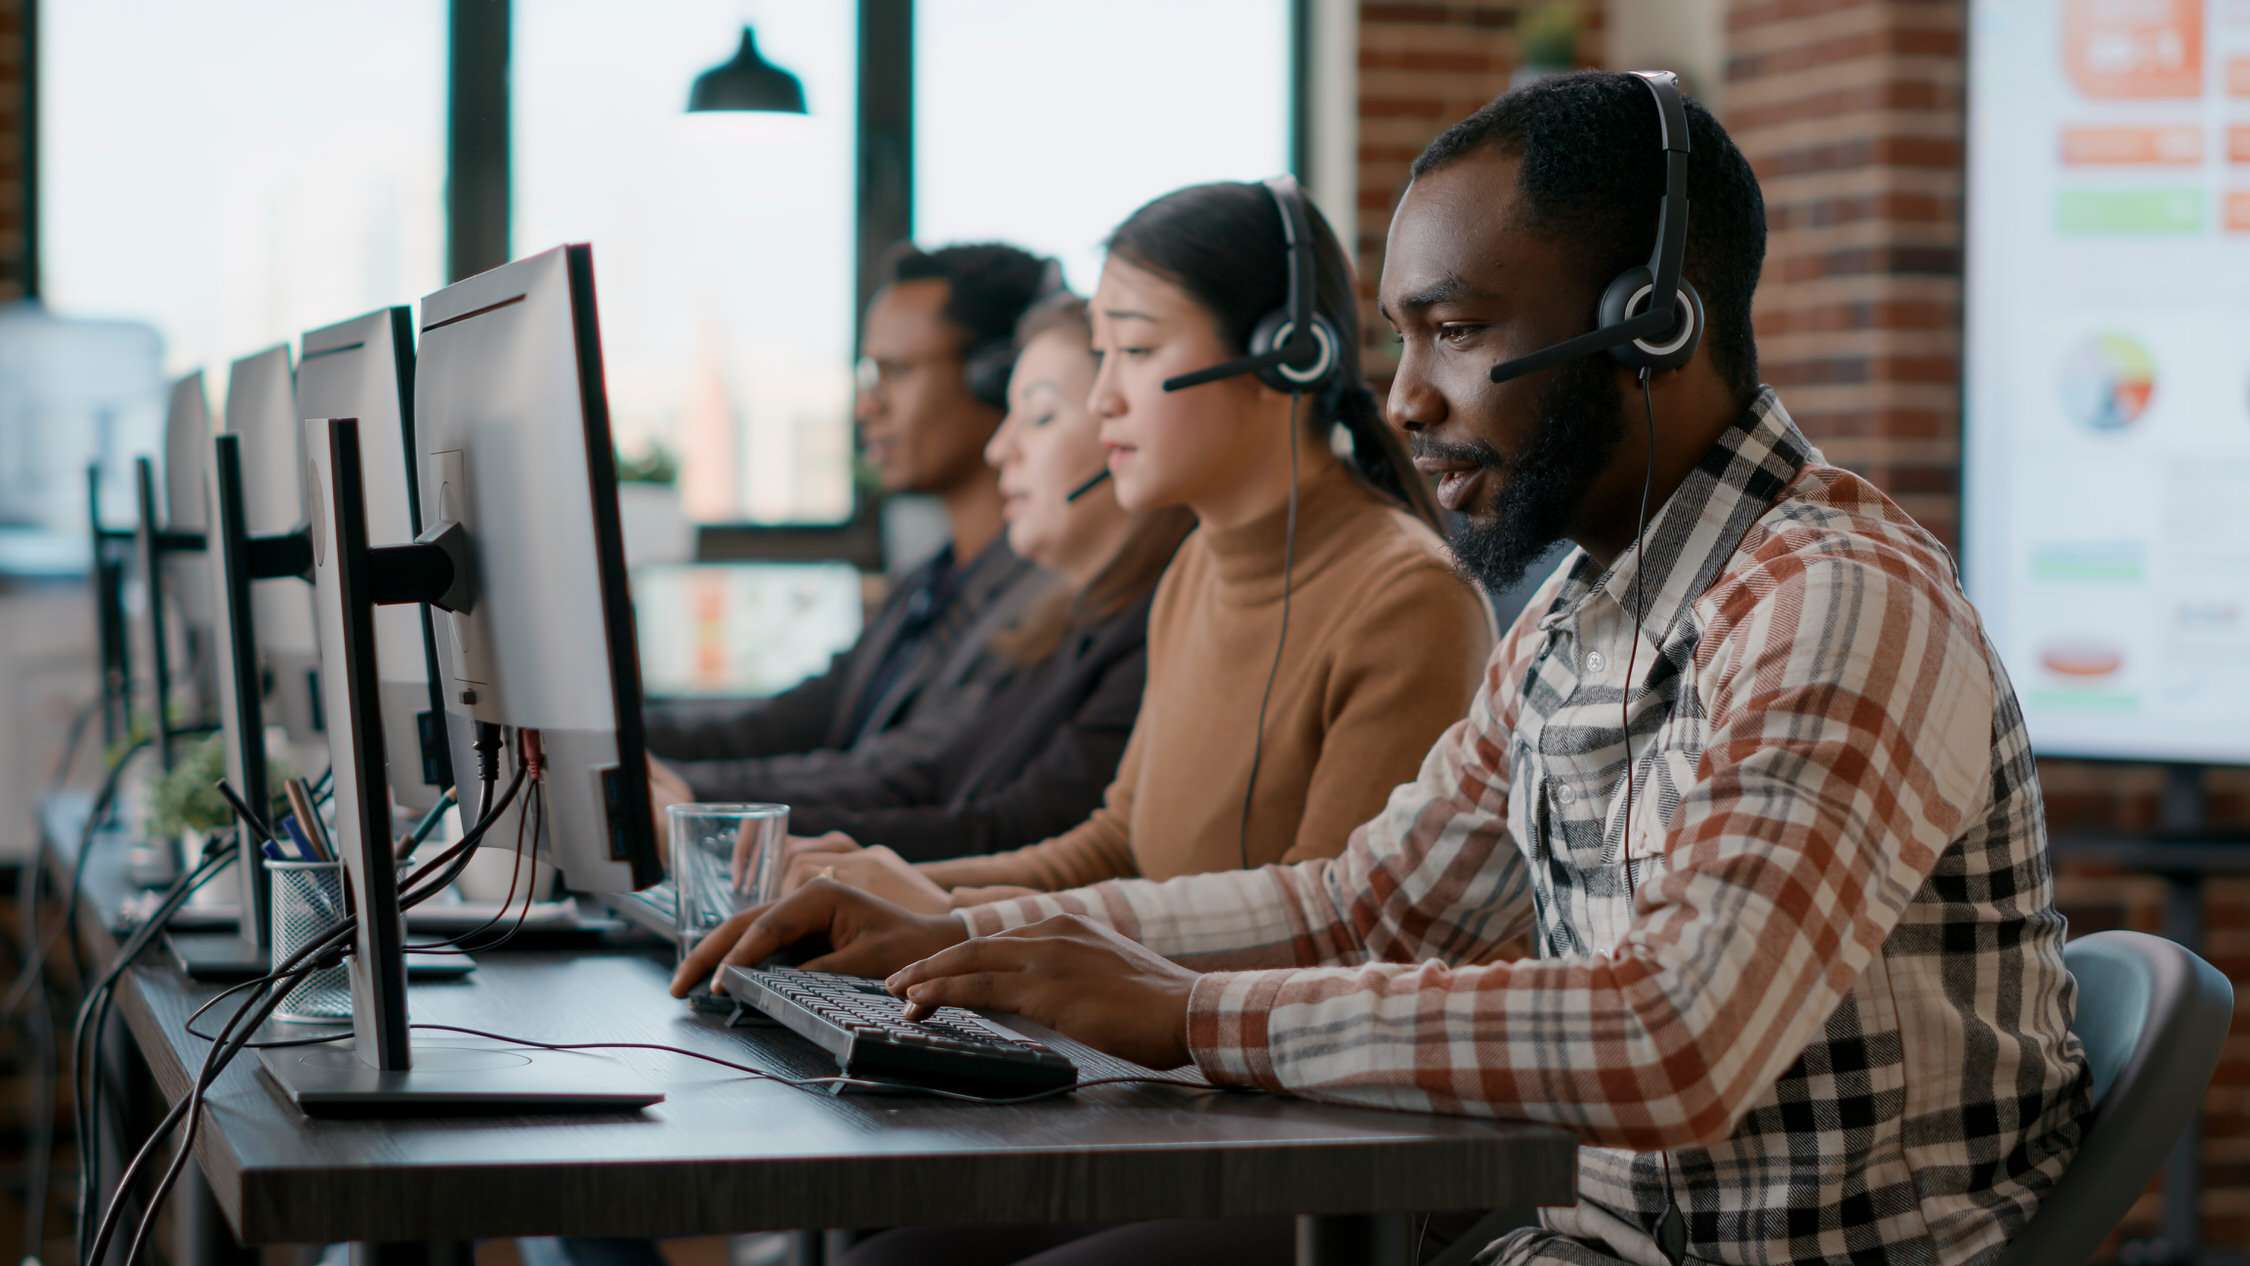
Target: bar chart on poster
[{"x": 2106, "y": 426}]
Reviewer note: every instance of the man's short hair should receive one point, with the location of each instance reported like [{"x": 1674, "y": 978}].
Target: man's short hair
[
  {"x": 988, "y": 285},
  {"x": 1591, "y": 175}
]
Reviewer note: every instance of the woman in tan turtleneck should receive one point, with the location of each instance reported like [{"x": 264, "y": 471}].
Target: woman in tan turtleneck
[{"x": 1384, "y": 641}]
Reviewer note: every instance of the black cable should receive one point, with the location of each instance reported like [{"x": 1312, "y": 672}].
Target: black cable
[
  {"x": 71, "y": 738},
  {"x": 1280, "y": 641},
  {"x": 537, "y": 811},
  {"x": 458, "y": 944},
  {"x": 93, "y": 1020},
  {"x": 1671, "y": 1212},
  {"x": 325, "y": 948},
  {"x": 41, "y": 1154},
  {"x": 102, "y": 800},
  {"x": 313, "y": 955},
  {"x": 448, "y": 865},
  {"x": 33, "y": 972},
  {"x": 214, "y": 1062}
]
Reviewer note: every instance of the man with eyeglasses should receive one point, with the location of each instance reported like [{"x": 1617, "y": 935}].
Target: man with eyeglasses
[{"x": 932, "y": 388}]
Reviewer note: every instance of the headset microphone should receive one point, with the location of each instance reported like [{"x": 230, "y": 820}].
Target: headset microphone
[{"x": 1100, "y": 477}]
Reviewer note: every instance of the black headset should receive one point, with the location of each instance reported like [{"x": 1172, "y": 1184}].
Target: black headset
[
  {"x": 1642, "y": 337},
  {"x": 1292, "y": 348},
  {"x": 991, "y": 361},
  {"x": 1628, "y": 324}
]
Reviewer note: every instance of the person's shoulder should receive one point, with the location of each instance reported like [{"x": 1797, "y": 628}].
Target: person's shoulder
[
  {"x": 1403, "y": 578},
  {"x": 1832, "y": 546},
  {"x": 1384, "y": 538}
]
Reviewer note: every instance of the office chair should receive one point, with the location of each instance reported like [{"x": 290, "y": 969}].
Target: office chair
[{"x": 2152, "y": 1017}]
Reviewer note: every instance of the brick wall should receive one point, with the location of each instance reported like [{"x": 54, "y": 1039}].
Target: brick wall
[
  {"x": 1421, "y": 67},
  {"x": 1851, "y": 113}
]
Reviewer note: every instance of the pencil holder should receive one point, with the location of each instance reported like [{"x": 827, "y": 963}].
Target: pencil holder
[{"x": 308, "y": 899}]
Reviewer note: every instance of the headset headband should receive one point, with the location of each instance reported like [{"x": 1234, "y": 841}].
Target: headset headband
[
  {"x": 1665, "y": 258},
  {"x": 1296, "y": 240}
]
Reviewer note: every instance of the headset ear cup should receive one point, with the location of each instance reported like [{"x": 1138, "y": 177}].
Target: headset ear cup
[
  {"x": 1626, "y": 298},
  {"x": 987, "y": 370},
  {"x": 1267, "y": 335}
]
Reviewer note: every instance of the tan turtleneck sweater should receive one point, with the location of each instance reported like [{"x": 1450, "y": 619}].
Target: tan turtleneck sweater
[{"x": 1386, "y": 645}]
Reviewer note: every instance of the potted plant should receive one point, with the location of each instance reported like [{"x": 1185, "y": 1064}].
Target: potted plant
[
  {"x": 186, "y": 805},
  {"x": 1547, "y": 39},
  {"x": 657, "y": 528}
]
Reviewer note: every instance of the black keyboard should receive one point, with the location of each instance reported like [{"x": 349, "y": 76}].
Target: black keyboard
[{"x": 864, "y": 1030}]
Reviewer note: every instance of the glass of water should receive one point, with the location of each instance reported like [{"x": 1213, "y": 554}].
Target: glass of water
[{"x": 726, "y": 858}]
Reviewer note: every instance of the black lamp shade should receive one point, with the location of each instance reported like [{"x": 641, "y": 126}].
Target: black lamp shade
[{"x": 747, "y": 81}]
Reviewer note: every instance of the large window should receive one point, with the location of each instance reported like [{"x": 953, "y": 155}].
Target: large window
[
  {"x": 234, "y": 172},
  {"x": 722, "y": 242},
  {"x": 1045, "y": 122}
]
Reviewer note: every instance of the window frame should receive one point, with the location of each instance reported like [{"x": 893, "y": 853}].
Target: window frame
[{"x": 478, "y": 192}]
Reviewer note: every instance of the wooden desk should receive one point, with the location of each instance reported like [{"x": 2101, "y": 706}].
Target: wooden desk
[{"x": 727, "y": 1153}]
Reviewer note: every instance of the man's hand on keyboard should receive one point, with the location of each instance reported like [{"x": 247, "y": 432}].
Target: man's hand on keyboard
[
  {"x": 866, "y": 935},
  {"x": 1074, "y": 975}
]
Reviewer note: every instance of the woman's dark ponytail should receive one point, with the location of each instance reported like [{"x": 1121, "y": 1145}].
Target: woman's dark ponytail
[
  {"x": 1379, "y": 454},
  {"x": 1223, "y": 243}
]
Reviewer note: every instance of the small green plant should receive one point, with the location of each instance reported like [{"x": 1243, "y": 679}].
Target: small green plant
[
  {"x": 1548, "y": 36},
  {"x": 188, "y": 799},
  {"x": 655, "y": 464}
]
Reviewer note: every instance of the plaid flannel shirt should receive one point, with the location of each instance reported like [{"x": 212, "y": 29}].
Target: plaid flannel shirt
[{"x": 1823, "y": 972}]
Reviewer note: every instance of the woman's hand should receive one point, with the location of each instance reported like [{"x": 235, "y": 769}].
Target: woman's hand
[
  {"x": 877, "y": 870},
  {"x": 867, "y": 936}
]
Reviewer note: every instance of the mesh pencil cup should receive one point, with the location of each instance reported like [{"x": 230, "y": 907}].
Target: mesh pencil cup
[{"x": 308, "y": 899}]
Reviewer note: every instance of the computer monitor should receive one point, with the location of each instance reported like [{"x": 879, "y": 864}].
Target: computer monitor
[
  {"x": 511, "y": 428},
  {"x": 262, "y": 411},
  {"x": 170, "y": 546},
  {"x": 364, "y": 369},
  {"x": 525, "y": 558},
  {"x": 110, "y": 565}
]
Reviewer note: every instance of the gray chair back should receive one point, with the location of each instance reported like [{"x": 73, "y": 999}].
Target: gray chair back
[{"x": 2152, "y": 1017}]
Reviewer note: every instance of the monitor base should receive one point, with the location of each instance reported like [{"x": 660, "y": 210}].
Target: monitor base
[
  {"x": 224, "y": 958},
  {"x": 448, "y": 1080}
]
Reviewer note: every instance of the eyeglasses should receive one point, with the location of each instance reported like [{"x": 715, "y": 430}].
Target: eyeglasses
[{"x": 871, "y": 374}]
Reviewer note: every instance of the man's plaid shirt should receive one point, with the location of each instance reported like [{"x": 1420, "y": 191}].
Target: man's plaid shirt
[{"x": 1833, "y": 990}]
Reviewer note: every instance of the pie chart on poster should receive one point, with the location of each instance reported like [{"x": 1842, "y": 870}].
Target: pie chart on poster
[{"x": 2107, "y": 381}]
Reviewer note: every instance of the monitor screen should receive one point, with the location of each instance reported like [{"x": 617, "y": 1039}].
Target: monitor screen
[
  {"x": 2106, "y": 427},
  {"x": 711, "y": 629}
]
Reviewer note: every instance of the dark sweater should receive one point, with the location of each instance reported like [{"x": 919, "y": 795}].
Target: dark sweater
[
  {"x": 726, "y": 749},
  {"x": 1031, "y": 761}
]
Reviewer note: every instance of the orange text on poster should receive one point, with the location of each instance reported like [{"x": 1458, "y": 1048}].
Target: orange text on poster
[
  {"x": 2238, "y": 211},
  {"x": 2132, "y": 146},
  {"x": 2238, "y": 77},
  {"x": 2134, "y": 50},
  {"x": 2238, "y": 143}
]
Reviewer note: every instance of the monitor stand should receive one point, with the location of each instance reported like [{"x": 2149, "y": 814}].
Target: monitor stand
[
  {"x": 384, "y": 1072},
  {"x": 225, "y": 958}
]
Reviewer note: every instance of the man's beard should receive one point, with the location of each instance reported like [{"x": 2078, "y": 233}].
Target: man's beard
[{"x": 1541, "y": 489}]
